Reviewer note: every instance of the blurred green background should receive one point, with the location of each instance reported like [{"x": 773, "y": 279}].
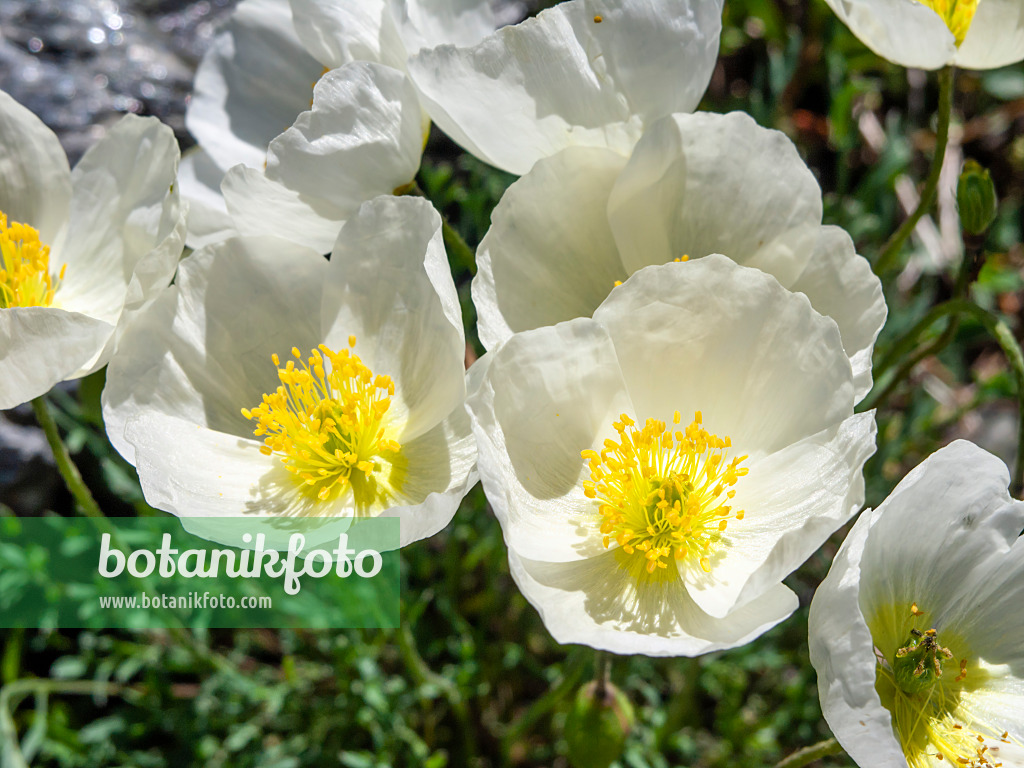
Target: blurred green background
[{"x": 474, "y": 678}]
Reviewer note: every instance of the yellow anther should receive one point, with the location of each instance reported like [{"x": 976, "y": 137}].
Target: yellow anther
[{"x": 25, "y": 277}]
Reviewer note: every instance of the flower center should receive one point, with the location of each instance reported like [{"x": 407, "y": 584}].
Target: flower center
[
  {"x": 957, "y": 14},
  {"x": 25, "y": 279},
  {"x": 328, "y": 424},
  {"x": 663, "y": 494},
  {"x": 932, "y": 726}
]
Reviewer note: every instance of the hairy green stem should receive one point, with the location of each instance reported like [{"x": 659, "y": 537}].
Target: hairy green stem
[
  {"x": 887, "y": 259},
  {"x": 808, "y": 755},
  {"x": 422, "y": 675},
  {"x": 68, "y": 471}
]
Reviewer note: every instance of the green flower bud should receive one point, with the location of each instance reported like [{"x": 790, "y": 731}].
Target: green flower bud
[
  {"x": 596, "y": 727},
  {"x": 918, "y": 664},
  {"x": 976, "y": 198}
]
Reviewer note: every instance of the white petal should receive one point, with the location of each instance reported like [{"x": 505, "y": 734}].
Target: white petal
[
  {"x": 707, "y": 183},
  {"x": 942, "y": 522},
  {"x": 794, "y": 500},
  {"x": 549, "y": 254},
  {"x": 562, "y": 78},
  {"x": 442, "y": 469},
  {"x": 545, "y": 396},
  {"x": 260, "y": 206},
  {"x": 905, "y": 32},
  {"x": 842, "y": 653},
  {"x": 125, "y": 230},
  {"x": 995, "y": 38},
  {"x": 840, "y": 284},
  {"x": 41, "y": 346},
  {"x": 199, "y": 180},
  {"x": 202, "y": 351},
  {"x": 363, "y": 138},
  {"x": 337, "y": 32},
  {"x": 389, "y": 285},
  {"x": 35, "y": 181},
  {"x": 428, "y": 23},
  {"x": 763, "y": 367},
  {"x": 596, "y": 603},
  {"x": 253, "y": 81}
]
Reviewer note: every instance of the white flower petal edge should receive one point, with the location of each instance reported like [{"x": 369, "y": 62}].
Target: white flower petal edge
[
  {"x": 252, "y": 82},
  {"x": 618, "y": 67},
  {"x": 116, "y": 224},
  {"x": 202, "y": 353},
  {"x": 996, "y": 36},
  {"x": 362, "y": 138},
  {"x": 905, "y": 32},
  {"x": 943, "y": 552},
  {"x": 658, "y": 343}
]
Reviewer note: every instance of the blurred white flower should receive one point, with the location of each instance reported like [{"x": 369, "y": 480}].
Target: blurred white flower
[
  {"x": 269, "y": 381},
  {"x": 564, "y": 234},
  {"x": 629, "y": 530},
  {"x": 259, "y": 73},
  {"x": 930, "y": 34},
  {"x": 80, "y": 251},
  {"x": 591, "y": 73},
  {"x": 916, "y": 631}
]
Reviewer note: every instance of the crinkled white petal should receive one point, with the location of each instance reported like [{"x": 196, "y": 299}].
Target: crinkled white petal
[
  {"x": 706, "y": 183},
  {"x": 545, "y": 396},
  {"x": 125, "y": 229},
  {"x": 202, "y": 351},
  {"x": 995, "y": 38},
  {"x": 793, "y": 500},
  {"x": 389, "y": 285},
  {"x": 840, "y": 284},
  {"x": 199, "y": 181},
  {"x": 337, "y": 32},
  {"x": 762, "y": 366},
  {"x": 35, "y": 180},
  {"x": 549, "y": 254},
  {"x": 428, "y": 23},
  {"x": 362, "y": 138},
  {"x": 939, "y": 526},
  {"x": 596, "y": 603},
  {"x": 41, "y": 346},
  {"x": 252, "y": 82},
  {"x": 905, "y": 32},
  {"x": 586, "y": 72},
  {"x": 842, "y": 653},
  {"x": 260, "y": 206}
]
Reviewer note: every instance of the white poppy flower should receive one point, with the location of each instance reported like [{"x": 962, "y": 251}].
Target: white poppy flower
[
  {"x": 930, "y": 34},
  {"x": 629, "y": 530},
  {"x": 589, "y": 73},
  {"x": 259, "y": 73},
  {"x": 580, "y": 221},
  {"x": 269, "y": 381},
  {"x": 916, "y": 631},
  {"x": 82, "y": 250}
]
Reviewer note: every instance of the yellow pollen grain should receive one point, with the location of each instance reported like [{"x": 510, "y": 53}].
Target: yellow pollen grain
[
  {"x": 958, "y": 15},
  {"x": 327, "y": 423},
  {"x": 598, "y": 19},
  {"x": 662, "y": 494},
  {"x": 25, "y": 277}
]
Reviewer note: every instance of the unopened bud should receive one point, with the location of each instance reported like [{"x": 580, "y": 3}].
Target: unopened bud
[
  {"x": 597, "y": 726},
  {"x": 976, "y": 199}
]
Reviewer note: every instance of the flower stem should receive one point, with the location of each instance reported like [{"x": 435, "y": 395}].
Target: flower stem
[
  {"x": 602, "y": 674},
  {"x": 423, "y": 675},
  {"x": 68, "y": 471},
  {"x": 886, "y": 260},
  {"x": 808, "y": 755}
]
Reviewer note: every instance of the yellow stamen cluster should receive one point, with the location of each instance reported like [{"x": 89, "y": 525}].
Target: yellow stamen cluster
[
  {"x": 25, "y": 279},
  {"x": 663, "y": 493},
  {"x": 327, "y": 422},
  {"x": 958, "y": 15}
]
